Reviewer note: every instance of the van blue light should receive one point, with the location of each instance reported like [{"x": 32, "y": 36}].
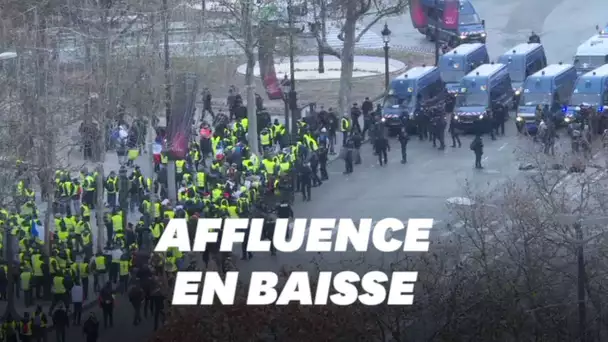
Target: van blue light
[
  {"x": 564, "y": 109},
  {"x": 600, "y": 109}
]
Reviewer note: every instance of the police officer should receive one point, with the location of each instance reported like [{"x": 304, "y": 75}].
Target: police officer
[
  {"x": 380, "y": 143},
  {"x": 403, "y": 140},
  {"x": 477, "y": 148},
  {"x": 284, "y": 211},
  {"x": 324, "y": 146},
  {"x": 534, "y": 38}
]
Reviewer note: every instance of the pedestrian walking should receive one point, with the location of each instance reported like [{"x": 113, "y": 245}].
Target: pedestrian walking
[
  {"x": 61, "y": 322},
  {"x": 136, "y": 297},
  {"x": 90, "y": 328},
  {"x": 477, "y": 148},
  {"x": 77, "y": 300},
  {"x": 106, "y": 301}
]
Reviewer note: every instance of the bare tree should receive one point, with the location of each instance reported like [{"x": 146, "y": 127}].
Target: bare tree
[{"x": 350, "y": 13}]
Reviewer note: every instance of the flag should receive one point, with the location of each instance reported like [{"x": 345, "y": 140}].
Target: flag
[
  {"x": 417, "y": 13},
  {"x": 37, "y": 230},
  {"x": 450, "y": 14}
]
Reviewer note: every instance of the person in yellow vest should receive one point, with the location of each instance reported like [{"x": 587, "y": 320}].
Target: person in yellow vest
[
  {"x": 345, "y": 128},
  {"x": 100, "y": 270},
  {"x": 269, "y": 166},
  {"x": 201, "y": 182},
  {"x": 157, "y": 229},
  {"x": 58, "y": 290},
  {"x": 85, "y": 212},
  {"x": 124, "y": 273},
  {"x": 38, "y": 273},
  {"x": 83, "y": 270},
  {"x": 25, "y": 328},
  {"x": 180, "y": 169},
  {"x": 265, "y": 139},
  {"x": 117, "y": 222},
  {"x": 26, "y": 282},
  {"x": 112, "y": 187},
  {"x": 10, "y": 329}
]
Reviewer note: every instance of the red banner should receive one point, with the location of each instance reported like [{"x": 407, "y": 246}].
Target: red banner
[
  {"x": 267, "y": 71},
  {"x": 450, "y": 14},
  {"x": 417, "y": 13}
]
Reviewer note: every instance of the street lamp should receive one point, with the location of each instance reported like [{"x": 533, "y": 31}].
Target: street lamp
[
  {"x": 386, "y": 38},
  {"x": 122, "y": 196},
  {"x": 292, "y": 98}
]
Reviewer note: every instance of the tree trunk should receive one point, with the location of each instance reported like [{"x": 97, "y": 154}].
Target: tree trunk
[
  {"x": 347, "y": 59},
  {"x": 251, "y": 110}
]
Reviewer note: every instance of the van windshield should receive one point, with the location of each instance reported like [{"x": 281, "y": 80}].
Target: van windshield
[
  {"x": 585, "y": 98},
  {"x": 452, "y": 76},
  {"x": 468, "y": 19},
  {"x": 590, "y": 62},
  {"x": 472, "y": 100},
  {"x": 392, "y": 100},
  {"x": 533, "y": 99}
]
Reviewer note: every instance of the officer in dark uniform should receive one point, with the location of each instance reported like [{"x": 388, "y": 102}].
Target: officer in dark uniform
[
  {"x": 284, "y": 211},
  {"x": 534, "y": 38},
  {"x": 403, "y": 140},
  {"x": 421, "y": 118}
]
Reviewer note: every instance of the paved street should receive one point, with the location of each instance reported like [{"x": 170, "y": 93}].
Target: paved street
[
  {"x": 509, "y": 23},
  {"x": 421, "y": 188}
]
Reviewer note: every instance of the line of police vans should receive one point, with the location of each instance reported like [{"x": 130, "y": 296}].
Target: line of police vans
[{"x": 520, "y": 78}]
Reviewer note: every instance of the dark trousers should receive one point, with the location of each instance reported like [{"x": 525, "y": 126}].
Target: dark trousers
[
  {"x": 114, "y": 268},
  {"x": 28, "y": 297},
  {"x": 323, "y": 170},
  {"x": 356, "y": 126},
  {"x": 108, "y": 315},
  {"x": 403, "y": 152},
  {"x": 85, "y": 287},
  {"x": 136, "y": 313},
  {"x": 478, "y": 160},
  {"x": 348, "y": 163},
  {"x": 344, "y": 138},
  {"x": 77, "y": 315},
  {"x": 111, "y": 198},
  {"x": 60, "y": 333},
  {"x": 306, "y": 189},
  {"x": 455, "y": 139},
  {"x": 124, "y": 283}
]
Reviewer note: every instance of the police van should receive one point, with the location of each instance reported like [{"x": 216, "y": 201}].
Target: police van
[
  {"x": 549, "y": 88},
  {"x": 405, "y": 91},
  {"x": 591, "y": 54},
  {"x": 455, "y": 64},
  {"x": 470, "y": 28},
  {"x": 522, "y": 61},
  {"x": 590, "y": 91},
  {"x": 488, "y": 84}
]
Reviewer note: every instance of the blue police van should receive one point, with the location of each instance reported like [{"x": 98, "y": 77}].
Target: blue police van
[
  {"x": 523, "y": 60},
  {"x": 590, "y": 92},
  {"x": 407, "y": 90},
  {"x": 592, "y": 54},
  {"x": 457, "y": 63},
  {"x": 470, "y": 27},
  {"x": 549, "y": 88},
  {"x": 482, "y": 87}
]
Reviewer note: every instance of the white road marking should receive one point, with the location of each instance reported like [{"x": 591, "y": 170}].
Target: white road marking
[
  {"x": 503, "y": 146},
  {"x": 484, "y": 159}
]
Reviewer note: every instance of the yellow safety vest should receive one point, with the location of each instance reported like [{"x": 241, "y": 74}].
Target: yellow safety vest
[
  {"x": 100, "y": 263},
  {"x": 84, "y": 269},
  {"x": 200, "y": 179},
  {"x": 232, "y": 210},
  {"x": 112, "y": 182},
  {"x": 38, "y": 267},
  {"x": 164, "y": 158},
  {"x": 26, "y": 280},
  {"x": 171, "y": 264},
  {"x": 124, "y": 267},
  {"x": 265, "y": 139},
  {"x": 117, "y": 222},
  {"x": 345, "y": 125},
  {"x": 269, "y": 165},
  {"x": 58, "y": 287},
  {"x": 179, "y": 166},
  {"x": 157, "y": 230},
  {"x": 157, "y": 210}
]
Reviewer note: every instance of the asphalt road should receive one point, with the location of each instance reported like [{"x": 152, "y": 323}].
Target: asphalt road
[
  {"x": 422, "y": 187},
  {"x": 508, "y": 23}
]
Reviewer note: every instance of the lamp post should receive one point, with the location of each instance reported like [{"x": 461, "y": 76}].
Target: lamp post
[
  {"x": 293, "y": 99},
  {"x": 436, "y": 36},
  {"x": 386, "y": 38},
  {"x": 580, "y": 241},
  {"x": 122, "y": 196}
]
